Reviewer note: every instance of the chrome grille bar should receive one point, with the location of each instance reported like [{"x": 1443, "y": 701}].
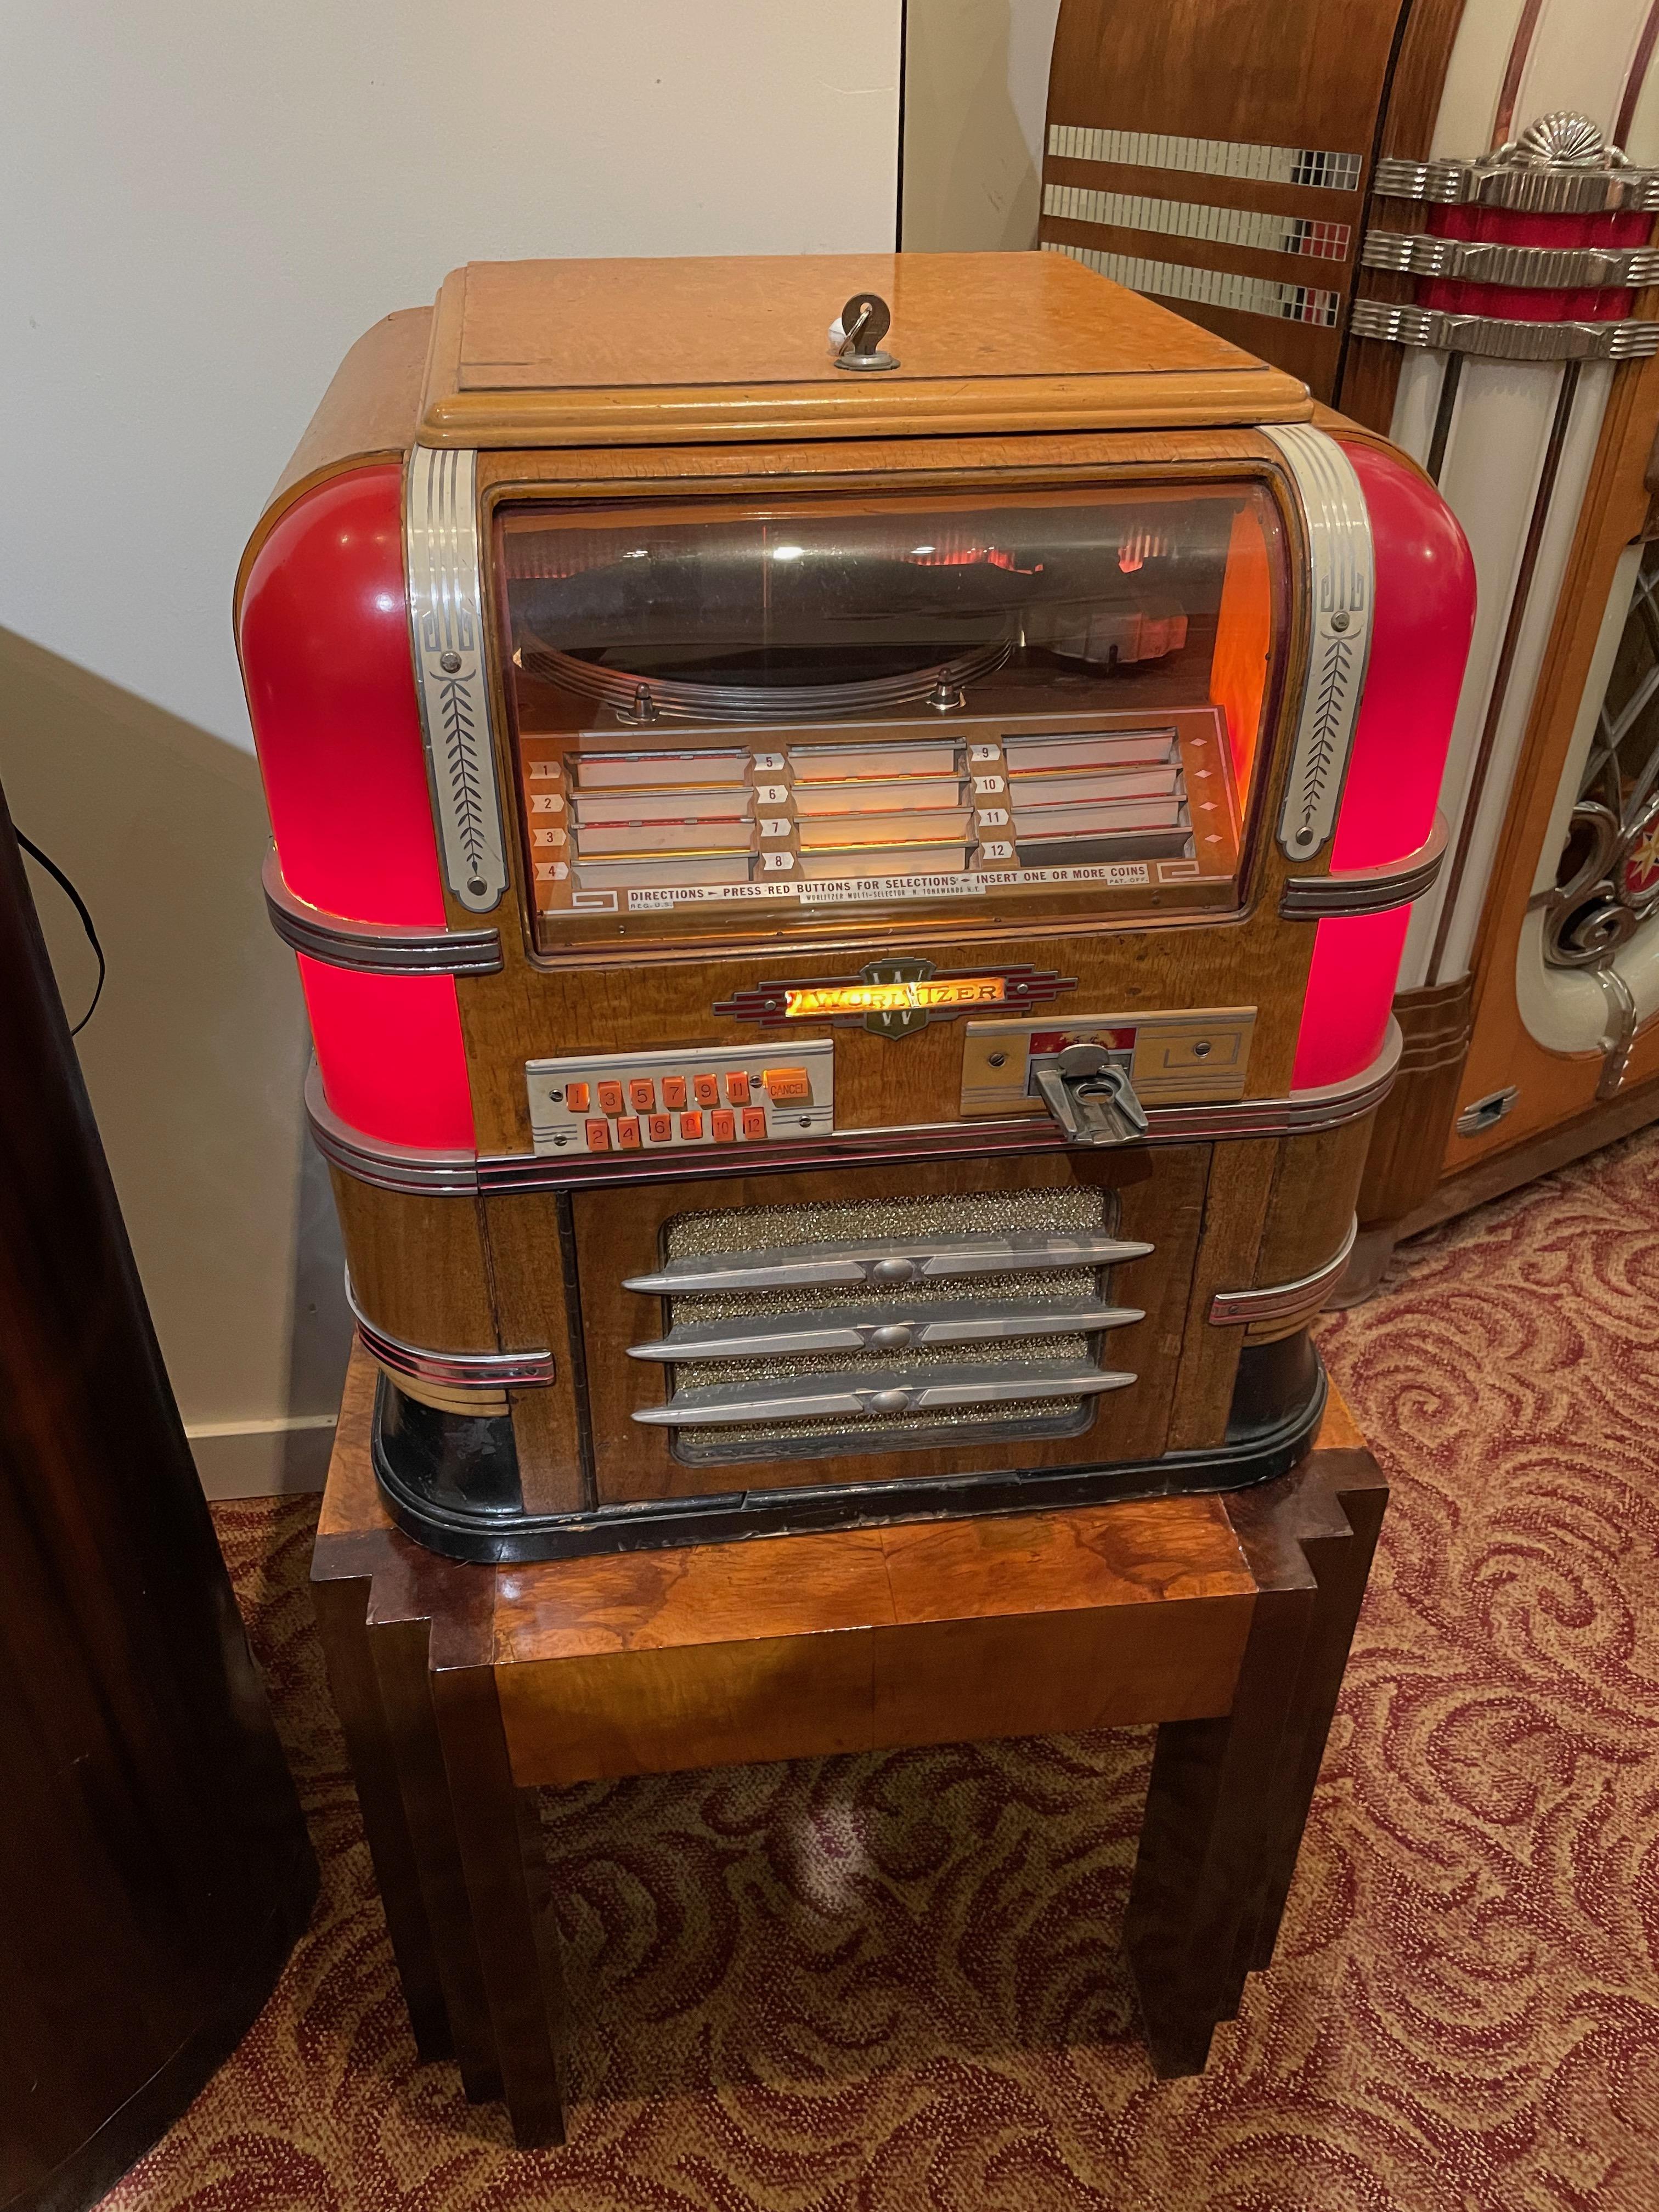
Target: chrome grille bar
[
  {"x": 784, "y": 1336},
  {"x": 807, "y": 1397},
  {"x": 884, "y": 1263}
]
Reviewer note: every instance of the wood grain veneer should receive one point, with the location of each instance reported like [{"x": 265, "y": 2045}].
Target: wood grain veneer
[
  {"x": 1313, "y": 74},
  {"x": 1226, "y": 1261},
  {"x": 417, "y": 1265},
  {"x": 807, "y": 1645},
  {"x": 1312, "y": 1205},
  {"x": 1368, "y": 374},
  {"x": 368, "y": 413},
  {"x": 580, "y": 353},
  {"x": 1408, "y": 1133}
]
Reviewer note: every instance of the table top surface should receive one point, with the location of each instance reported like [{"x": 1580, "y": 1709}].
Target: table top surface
[{"x": 1137, "y": 1553}]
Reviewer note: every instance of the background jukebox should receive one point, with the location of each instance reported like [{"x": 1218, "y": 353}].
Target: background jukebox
[
  {"x": 848, "y": 891},
  {"x": 1442, "y": 221}
]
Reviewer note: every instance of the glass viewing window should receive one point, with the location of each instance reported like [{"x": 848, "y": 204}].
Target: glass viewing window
[{"x": 742, "y": 714}]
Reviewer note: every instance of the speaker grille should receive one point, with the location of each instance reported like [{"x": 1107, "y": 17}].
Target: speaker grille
[{"x": 998, "y": 1384}]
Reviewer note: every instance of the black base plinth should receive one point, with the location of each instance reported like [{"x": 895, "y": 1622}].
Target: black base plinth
[{"x": 451, "y": 1481}]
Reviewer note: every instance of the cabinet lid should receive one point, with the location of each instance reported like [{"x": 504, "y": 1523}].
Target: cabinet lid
[{"x": 663, "y": 352}]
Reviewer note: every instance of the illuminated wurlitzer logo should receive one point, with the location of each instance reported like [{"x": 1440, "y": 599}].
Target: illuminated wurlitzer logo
[
  {"x": 895, "y": 993},
  {"x": 895, "y": 996}
]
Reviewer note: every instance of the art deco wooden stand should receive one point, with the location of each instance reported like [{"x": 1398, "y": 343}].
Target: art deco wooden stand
[{"x": 1226, "y": 1620}]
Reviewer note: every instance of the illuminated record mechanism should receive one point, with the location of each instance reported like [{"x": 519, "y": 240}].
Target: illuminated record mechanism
[{"x": 911, "y": 1070}]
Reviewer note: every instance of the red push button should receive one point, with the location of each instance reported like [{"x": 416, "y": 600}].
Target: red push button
[
  {"x": 599, "y": 1136},
  {"x": 661, "y": 1128},
  {"x": 723, "y": 1128},
  {"x": 643, "y": 1096},
  {"x": 628, "y": 1133},
  {"x": 754, "y": 1122},
  {"x": 786, "y": 1083},
  {"x": 610, "y": 1098},
  {"x": 737, "y": 1090},
  {"x": 706, "y": 1090},
  {"x": 576, "y": 1096},
  {"x": 691, "y": 1128},
  {"x": 673, "y": 1093}
]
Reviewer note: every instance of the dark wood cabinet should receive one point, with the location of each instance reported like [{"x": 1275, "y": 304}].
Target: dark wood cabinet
[{"x": 155, "y": 1869}]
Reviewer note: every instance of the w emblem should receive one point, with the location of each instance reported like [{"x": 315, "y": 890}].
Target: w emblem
[{"x": 901, "y": 1020}]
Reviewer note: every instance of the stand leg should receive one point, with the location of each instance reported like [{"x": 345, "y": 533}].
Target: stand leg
[
  {"x": 400, "y": 1651},
  {"x": 501, "y": 1853},
  {"x": 1229, "y": 1798},
  {"x": 340, "y": 1608},
  {"x": 1208, "y": 1810},
  {"x": 1337, "y": 1518}
]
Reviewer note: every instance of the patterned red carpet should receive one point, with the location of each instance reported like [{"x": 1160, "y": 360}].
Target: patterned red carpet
[{"x": 889, "y": 1984}]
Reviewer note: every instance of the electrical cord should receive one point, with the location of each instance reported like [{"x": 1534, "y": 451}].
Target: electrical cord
[{"x": 79, "y": 906}]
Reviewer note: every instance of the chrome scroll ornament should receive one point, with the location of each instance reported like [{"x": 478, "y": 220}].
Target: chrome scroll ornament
[
  {"x": 1342, "y": 595},
  {"x": 445, "y": 612}
]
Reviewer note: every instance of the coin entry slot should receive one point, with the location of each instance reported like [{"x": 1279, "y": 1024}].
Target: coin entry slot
[{"x": 1087, "y": 1089}]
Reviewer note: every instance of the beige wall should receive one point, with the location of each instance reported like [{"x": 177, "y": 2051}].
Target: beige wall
[
  {"x": 194, "y": 1059},
  {"x": 975, "y": 88},
  {"x": 207, "y": 206}
]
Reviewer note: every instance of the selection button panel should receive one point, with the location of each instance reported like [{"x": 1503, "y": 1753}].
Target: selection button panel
[{"x": 681, "y": 1100}]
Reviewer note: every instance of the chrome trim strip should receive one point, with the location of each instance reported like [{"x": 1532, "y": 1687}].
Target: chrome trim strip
[
  {"x": 1367, "y": 890},
  {"x": 888, "y": 1330},
  {"x": 399, "y": 1167},
  {"x": 1534, "y": 190},
  {"x": 1216, "y": 226},
  {"x": 1341, "y": 595},
  {"x": 884, "y": 1263},
  {"x": 446, "y": 632},
  {"x": 1478, "y": 261},
  {"x": 1486, "y": 1113},
  {"x": 456, "y": 1370},
  {"x": 1283, "y": 1301},
  {"x": 1303, "y": 1114},
  {"x": 385, "y": 1166},
  {"x": 1208, "y": 157},
  {"x": 375, "y": 948},
  {"x": 1491, "y": 338},
  {"x": 1212, "y": 288},
  {"x": 816, "y": 1397}
]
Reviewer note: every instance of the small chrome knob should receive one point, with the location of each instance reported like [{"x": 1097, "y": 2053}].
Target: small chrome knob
[
  {"x": 889, "y": 1402},
  {"x": 895, "y": 1271},
  {"x": 892, "y": 1335}
]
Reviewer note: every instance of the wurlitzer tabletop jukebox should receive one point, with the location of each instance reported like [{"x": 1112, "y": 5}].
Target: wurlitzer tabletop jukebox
[{"x": 847, "y": 888}]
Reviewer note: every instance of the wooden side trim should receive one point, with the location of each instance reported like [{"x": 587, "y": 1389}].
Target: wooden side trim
[
  {"x": 367, "y": 414},
  {"x": 1274, "y": 1309}
]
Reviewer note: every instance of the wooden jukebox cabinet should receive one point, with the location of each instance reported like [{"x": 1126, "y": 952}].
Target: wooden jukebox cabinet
[
  {"x": 849, "y": 890},
  {"x": 1439, "y": 213}
]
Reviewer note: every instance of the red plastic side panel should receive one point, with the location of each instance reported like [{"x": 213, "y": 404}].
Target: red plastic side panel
[
  {"x": 1425, "y": 617},
  {"x": 391, "y": 1053},
  {"x": 1350, "y": 985},
  {"x": 325, "y": 659},
  {"x": 330, "y": 689}
]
